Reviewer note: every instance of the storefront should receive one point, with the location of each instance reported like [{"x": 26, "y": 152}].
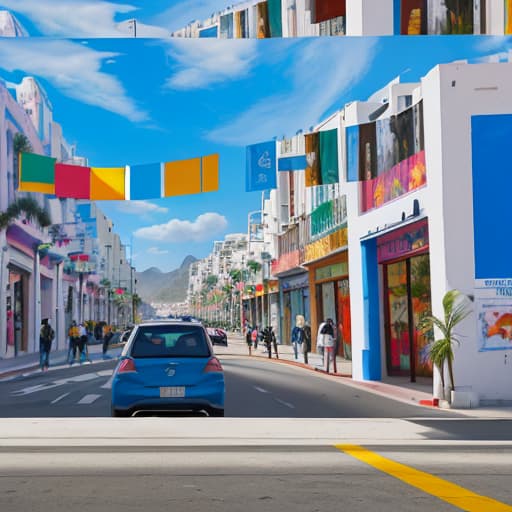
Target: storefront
[
  {"x": 294, "y": 292},
  {"x": 17, "y": 310},
  {"x": 403, "y": 255},
  {"x": 330, "y": 294}
]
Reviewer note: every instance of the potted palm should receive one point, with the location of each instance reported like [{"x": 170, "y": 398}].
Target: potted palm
[{"x": 440, "y": 351}]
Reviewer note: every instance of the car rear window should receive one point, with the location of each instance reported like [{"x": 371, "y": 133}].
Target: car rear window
[{"x": 170, "y": 341}]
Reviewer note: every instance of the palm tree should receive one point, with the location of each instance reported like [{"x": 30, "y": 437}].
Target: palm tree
[
  {"x": 20, "y": 144},
  {"x": 440, "y": 351},
  {"x": 27, "y": 206}
]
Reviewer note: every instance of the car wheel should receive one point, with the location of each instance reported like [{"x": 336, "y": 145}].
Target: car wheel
[{"x": 217, "y": 413}]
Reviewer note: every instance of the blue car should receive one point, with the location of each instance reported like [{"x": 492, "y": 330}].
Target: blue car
[{"x": 168, "y": 366}]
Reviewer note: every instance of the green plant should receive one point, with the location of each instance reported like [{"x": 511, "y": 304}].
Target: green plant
[
  {"x": 440, "y": 351},
  {"x": 27, "y": 206}
]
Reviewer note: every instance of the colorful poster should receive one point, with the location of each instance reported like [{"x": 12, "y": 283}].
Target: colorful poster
[
  {"x": 261, "y": 166},
  {"x": 352, "y": 149},
  {"x": 263, "y": 23},
  {"x": 386, "y": 146},
  {"x": 275, "y": 18},
  {"x": 402, "y": 178},
  {"x": 329, "y": 156},
  {"x": 494, "y": 319},
  {"x": 367, "y": 151}
]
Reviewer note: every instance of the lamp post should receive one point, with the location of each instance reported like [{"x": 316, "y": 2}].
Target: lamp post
[{"x": 108, "y": 247}]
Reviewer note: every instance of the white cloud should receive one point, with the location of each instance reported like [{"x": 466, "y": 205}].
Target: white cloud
[
  {"x": 201, "y": 64},
  {"x": 203, "y": 228},
  {"x": 72, "y": 68},
  {"x": 156, "y": 251},
  {"x": 140, "y": 207},
  {"x": 184, "y": 12},
  {"x": 320, "y": 71}
]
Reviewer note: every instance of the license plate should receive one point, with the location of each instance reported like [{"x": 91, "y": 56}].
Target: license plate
[{"x": 172, "y": 392}]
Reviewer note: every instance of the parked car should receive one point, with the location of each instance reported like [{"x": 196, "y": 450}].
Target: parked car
[
  {"x": 168, "y": 366},
  {"x": 218, "y": 336}
]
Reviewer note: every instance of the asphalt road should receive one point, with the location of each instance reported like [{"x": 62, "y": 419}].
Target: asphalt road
[
  {"x": 254, "y": 388},
  {"x": 259, "y": 479}
]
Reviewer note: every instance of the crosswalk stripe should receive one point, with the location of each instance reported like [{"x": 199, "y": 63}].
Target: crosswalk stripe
[
  {"x": 108, "y": 384},
  {"x": 261, "y": 390},
  {"x": 88, "y": 399},
  {"x": 59, "y": 398}
]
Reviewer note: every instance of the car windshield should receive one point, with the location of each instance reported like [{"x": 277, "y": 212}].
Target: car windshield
[{"x": 170, "y": 341}]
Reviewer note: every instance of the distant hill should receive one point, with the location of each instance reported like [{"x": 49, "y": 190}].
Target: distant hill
[{"x": 153, "y": 285}]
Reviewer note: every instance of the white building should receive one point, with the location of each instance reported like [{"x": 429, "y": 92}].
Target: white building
[{"x": 10, "y": 26}]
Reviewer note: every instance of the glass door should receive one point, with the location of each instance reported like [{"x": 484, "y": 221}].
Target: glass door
[{"x": 398, "y": 350}]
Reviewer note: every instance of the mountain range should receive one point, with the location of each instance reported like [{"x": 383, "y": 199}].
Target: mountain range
[{"x": 153, "y": 285}]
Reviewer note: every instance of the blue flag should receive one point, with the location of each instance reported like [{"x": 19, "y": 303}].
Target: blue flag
[
  {"x": 261, "y": 166},
  {"x": 292, "y": 163},
  {"x": 352, "y": 144}
]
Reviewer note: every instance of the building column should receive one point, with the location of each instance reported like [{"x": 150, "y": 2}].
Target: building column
[
  {"x": 4, "y": 277},
  {"x": 60, "y": 327},
  {"x": 37, "y": 301}
]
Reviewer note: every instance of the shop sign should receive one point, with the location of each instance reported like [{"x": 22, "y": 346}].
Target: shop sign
[
  {"x": 493, "y": 302},
  {"x": 331, "y": 271},
  {"x": 296, "y": 282},
  {"x": 402, "y": 241},
  {"x": 326, "y": 245},
  {"x": 286, "y": 262},
  {"x": 273, "y": 286}
]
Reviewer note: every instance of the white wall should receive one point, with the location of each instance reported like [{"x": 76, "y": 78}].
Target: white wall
[
  {"x": 463, "y": 90},
  {"x": 369, "y": 17}
]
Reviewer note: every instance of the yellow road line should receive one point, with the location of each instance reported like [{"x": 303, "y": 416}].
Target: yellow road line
[{"x": 442, "y": 489}]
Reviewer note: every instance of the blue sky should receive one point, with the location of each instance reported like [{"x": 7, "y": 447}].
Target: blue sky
[
  {"x": 130, "y": 101},
  {"x": 101, "y": 18}
]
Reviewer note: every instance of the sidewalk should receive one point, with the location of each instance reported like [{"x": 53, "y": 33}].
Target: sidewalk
[
  {"x": 58, "y": 359},
  {"x": 396, "y": 388}
]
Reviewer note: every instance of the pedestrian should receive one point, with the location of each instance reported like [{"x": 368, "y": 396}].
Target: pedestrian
[
  {"x": 320, "y": 341},
  {"x": 46, "y": 336},
  {"x": 248, "y": 338},
  {"x": 269, "y": 338},
  {"x": 254, "y": 337},
  {"x": 82, "y": 343},
  {"x": 329, "y": 343},
  {"x": 106, "y": 339},
  {"x": 298, "y": 335},
  {"x": 73, "y": 342},
  {"x": 306, "y": 345}
]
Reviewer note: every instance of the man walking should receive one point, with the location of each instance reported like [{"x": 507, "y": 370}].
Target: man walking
[{"x": 46, "y": 336}]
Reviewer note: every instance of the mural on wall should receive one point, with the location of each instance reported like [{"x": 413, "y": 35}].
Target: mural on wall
[
  {"x": 494, "y": 325},
  {"x": 391, "y": 157},
  {"x": 438, "y": 16}
]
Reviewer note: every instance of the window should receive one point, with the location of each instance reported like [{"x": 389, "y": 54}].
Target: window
[{"x": 170, "y": 341}]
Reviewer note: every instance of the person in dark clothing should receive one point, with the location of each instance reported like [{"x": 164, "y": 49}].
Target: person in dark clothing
[
  {"x": 269, "y": 338},
  {"x": 106, "y": 341},
  {"x": 306, "y": 345},
  {"x": 46, "y": 336},
  {"x": 248, "y": 338},
  {"x": 329, "y": 343}
]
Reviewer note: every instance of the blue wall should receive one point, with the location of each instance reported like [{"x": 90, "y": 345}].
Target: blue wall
[
  {"x": 491, "y": 137},
  {"x": 372, "y": 354},
  {"x": 396, "y": 16}
]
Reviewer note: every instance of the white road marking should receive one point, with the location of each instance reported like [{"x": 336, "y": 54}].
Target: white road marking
[
  {"x": 88, "y": 399},
  {"x": 261, "y": 390},
  {"x": 287, "y": 404},
  {"x": 56, "y": 383},
  {"x": 58, "y": 399},
  {"x": 108, "y": 384},
  {"x": 105, "y": 373}
]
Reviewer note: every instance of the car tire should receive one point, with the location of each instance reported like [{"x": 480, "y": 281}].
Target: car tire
[
  {"x": 116, "y": 413},
  {"x": 217, "y": 413}
]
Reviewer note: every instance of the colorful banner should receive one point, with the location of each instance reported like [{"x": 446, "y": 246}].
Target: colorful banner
[
  {"x": 450, "y": 16},
  {"x": 145, "y": 181},
  {"x": 329, "y": 156},
  {"x": 326, "y": 245},
  {"x": 328, "y": 9},
  {"x": 404, "y": 177},
  {"x": 36, "y": 173},
  {"x": 292, "y": 163},
  {"x": 107, "y": 183},
  {"x": 263, "y": 29},
  {"x": 72, "y": 181},
  {"x": 313, "y": 176},
  {"x": 275, "y": 18},
  {"x": 403, "y": 241},
  {"x": 352, "y": 149},
  {"x": 261, "y": 166},
  {"x": 138, "y": 182}
]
